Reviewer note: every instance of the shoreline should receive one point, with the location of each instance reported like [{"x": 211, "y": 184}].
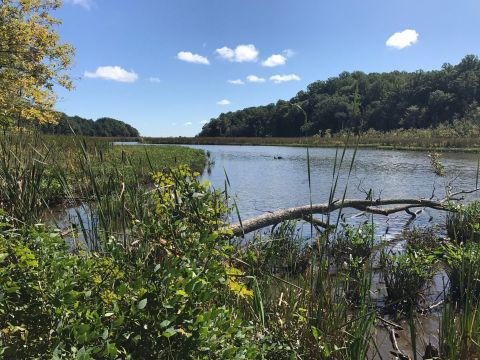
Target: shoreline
[{"x": 299, "y": 142}]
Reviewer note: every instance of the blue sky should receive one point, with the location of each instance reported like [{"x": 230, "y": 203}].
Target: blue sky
[{"x": 165, "y": 66}]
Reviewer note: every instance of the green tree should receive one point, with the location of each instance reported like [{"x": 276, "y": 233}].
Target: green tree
[{"x": 32, "y": 60}]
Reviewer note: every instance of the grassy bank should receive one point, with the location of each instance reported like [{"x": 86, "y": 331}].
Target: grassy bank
[
  {"x": 39, "y": 171},
  {"x": 412, "y": 139}
]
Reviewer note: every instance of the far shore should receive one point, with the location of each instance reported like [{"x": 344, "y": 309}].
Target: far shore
[{"x": 441, "y": 144}]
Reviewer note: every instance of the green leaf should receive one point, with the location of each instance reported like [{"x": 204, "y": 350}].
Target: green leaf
[
  {"x": 169, "y": 332},
  {"x": 181, "y": 293},
  {"x": 141, "y": 304},
  {"x": 165, "y": 323},
  {"x": 3, "y": 257}
]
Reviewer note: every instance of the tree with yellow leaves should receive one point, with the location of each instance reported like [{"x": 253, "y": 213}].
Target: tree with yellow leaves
[{"x": 32, "y": 60}]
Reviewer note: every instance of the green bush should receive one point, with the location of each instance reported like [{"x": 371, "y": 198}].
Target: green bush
[{"x": 169, "y": 294}]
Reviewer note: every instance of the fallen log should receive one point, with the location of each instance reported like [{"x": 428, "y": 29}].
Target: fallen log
[{"x": 306, "y": 211}]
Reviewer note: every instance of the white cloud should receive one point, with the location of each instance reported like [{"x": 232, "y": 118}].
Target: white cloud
[
  {"x": 224, "y": 102},
  {"x": 114, "y": 73},
  {"x": 203, "y": 122},
  {"x": 242, "y": 53},
  {"x": 192, "y": 58},
  {"x": 174, "y": 124},
  {"x": 86, "y": 4},
  {"x": 277, "y": 79},
  {"x": 255, "y": 79},
  {"x": 275, "y": 60},
  {"x": 403, "y": 39},
  {"x": 226, "y": 53},
  {"x": 236, "y": 82},
  {"x": 188, "y": 123},
  {"x": 289, "y": 53},
  {"x": 154, "y": 80}
]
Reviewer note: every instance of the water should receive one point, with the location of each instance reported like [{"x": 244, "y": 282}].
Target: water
[{"x": 262, "y": 183}]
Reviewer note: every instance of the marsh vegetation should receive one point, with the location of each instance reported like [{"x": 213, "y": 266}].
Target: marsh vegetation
[{"x": 161, "y": 276}]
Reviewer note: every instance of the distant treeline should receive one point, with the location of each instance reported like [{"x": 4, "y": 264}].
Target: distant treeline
[
  {"x": 103, "y": 127},
  {"x": 357, "y": 102}
]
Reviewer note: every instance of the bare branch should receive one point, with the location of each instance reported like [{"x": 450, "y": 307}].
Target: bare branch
[{"x": 370, "y": 206}]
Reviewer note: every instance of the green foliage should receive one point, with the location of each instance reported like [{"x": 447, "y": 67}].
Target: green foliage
[
  {"x": 437, "y": 166},
  {"x": 406, "y": 277},
  {"x": 351, "y": 253},
  {"x": 357, "y": 102},
  {"x": 353, "y": 245},
  {"x": 168, "y": 296},
  {"x": 284, "y": 251},
  {"x": 37, "y": 171},
  {"x": 421, "y": 239},
  {"x": 33, "y": 61},
  {"x": 460, "y": 330},
  {"x": 463, "y": 222},
  {"x": 103, "y": 127},
  {"x": 463, "y": 269}
]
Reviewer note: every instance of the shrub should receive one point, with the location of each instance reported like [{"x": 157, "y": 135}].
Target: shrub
[{"x": 169, "y": 294}]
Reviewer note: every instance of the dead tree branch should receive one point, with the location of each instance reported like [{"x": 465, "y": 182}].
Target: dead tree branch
[{"x": 367, "y": 206}]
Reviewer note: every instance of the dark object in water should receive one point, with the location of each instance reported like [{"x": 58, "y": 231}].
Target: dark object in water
[
  {"x": 430, "y": 352},
  {"x": 278, "y": 157}
]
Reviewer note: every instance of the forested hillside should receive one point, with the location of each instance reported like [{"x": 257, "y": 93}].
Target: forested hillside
[
  {"x": 358, "y": 101},
  {"x": 104, "y": 127}
]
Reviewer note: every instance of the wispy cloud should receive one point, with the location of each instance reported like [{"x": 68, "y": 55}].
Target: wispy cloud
[
  {"x": 188, "y": 123},
  {"x": 242, "y": 53},
  {"x": 403, "y": 39},
  {"x": 275, "y": 60},
  {"x": 155, "y": 80},
  {"x": 224, "y": 102},
  {"x": 192, "y": 58},
  {"x": 86, "y": 4},
  {"x": 289, "y": 53},
  {"x": 114, "y": 73},
  {"x": 255, "y": 79},
  {"x": 236, "y": 82},
  {"x": 277, "y": 79}
]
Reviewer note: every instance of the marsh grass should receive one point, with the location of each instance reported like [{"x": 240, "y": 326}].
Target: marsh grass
[
  {"x": 422, "y": 239},
  {"x": 406, "y": 278},
  {"x": 463, "y": 223},
  {"x": 38, "y": 171},
  {"x": 460, "y": 330}
]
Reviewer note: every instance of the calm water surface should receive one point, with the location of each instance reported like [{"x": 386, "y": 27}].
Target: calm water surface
[{"x": 262, "y": 183}]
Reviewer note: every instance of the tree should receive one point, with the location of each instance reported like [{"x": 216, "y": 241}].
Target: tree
[
  {"x": 357, "y": 102},
  {"x": 32, "y": 60}
]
